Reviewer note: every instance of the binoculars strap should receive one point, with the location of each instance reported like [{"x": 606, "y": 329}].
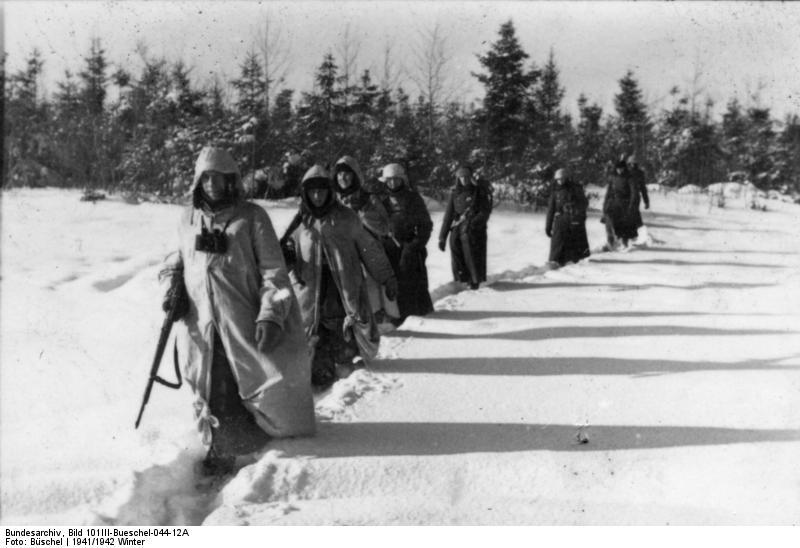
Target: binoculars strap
[{"x": 203, "y": 224}]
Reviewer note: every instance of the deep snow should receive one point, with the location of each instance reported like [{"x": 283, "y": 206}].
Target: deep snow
[{"x": 676, "y": 362}]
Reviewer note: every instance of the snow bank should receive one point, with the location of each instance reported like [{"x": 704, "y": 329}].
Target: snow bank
[
  {"x": 80, "y": 281},
  {"x": 478, "y": 405},
  {"x": 690, "y": 189}
]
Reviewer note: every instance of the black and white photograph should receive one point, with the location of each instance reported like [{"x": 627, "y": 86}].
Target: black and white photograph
[{"x": 399, "y": 263}]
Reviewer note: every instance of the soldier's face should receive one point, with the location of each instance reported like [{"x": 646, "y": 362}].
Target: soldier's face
[
  {"x": 465, "y": 179},
  {"x": 559, "y": 181},
  {"x": 318, "y": 196},
  {"x": 213, "y": 184},
  {"x": 344, "y": 179},
  {"x": 394, "y": 182}
]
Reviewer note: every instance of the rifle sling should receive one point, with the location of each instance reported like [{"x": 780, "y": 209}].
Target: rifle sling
[{"x": 169, "y": 384}]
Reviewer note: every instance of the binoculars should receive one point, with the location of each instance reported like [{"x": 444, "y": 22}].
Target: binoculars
[{"x": 210, "y": 241}]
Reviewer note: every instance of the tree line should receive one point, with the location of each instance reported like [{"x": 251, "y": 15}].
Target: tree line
[{"x": 116, "y": 130}]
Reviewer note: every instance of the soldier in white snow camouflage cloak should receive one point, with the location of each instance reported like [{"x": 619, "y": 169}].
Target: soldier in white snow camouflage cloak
[{"x": 241, "y": 341}]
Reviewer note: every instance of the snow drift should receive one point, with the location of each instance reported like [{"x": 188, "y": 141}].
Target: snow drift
[{"x": 646, "y": 387}]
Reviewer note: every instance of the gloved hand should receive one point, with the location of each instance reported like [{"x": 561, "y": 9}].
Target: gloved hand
[
  {"x": 442, "y": 244},
  {"x": 391, "y": 288},
  {"x": 647, "y": 205},
  {"x": 289, "y": 252},
  {"x": 549, "y": 232},
  {"x": 268, "y": 335},
  {"x": 176, "y": 297}
]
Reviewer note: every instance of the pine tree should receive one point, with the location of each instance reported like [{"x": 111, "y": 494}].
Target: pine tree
[
  {"x": 67, "y": 121},
  {"x": 25, "y": 83},
  {"x": 734, "y": 130},
  {"x": 215, "y": 100},
  {"x": 150, "y": 121},
  {"x": 364, "y": 128},
  {"x": 252, "y": 136},
  {"x": 250, "y": 87},
  {"x": 547, "y": 121},
  {"x": 94, "y": 78},
  {"x": 507, "y": 86},
  {"x": 4, "y": 153},
  {"x": 282, "y": 115},
  {"x": 760, "y": 147},
  {"x": 549, "y": 94},
  {"x": 22, "y": 129},
  {"x": 188, "y": 101},
  {"x": 590, "y": 142},
  {"x": 632, "y": 124},
  {"x": 322, "y": 113},
  {"x": 689, "y": 151},
  {"x": 787, "y": 158}
]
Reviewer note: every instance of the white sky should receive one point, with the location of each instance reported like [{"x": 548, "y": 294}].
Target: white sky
[{"x": 736, "y": 45}]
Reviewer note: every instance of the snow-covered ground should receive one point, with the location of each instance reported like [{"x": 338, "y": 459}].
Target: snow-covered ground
[{"x": 660, "y": 385}]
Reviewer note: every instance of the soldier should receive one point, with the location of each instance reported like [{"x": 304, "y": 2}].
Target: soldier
[
  {"x": 351, "y": 191},
  {"x": 566, "y": 220},
  {"x": 465, "y": 220},
  {"x": 620, "y": 207},
  {"x": 410, "y": 229},
  {"x": 331, "y": 251},
  {"x": 241, "y": 336},
  {"x": 638, "y": 178}
]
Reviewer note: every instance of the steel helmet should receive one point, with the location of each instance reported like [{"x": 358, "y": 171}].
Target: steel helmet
[{"x": 393, "y": 170}]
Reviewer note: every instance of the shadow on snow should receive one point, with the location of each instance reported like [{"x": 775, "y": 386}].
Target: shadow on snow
[
  {"x": 383, "y": 439},
  {"x": 600, "y": 331},
  {"x": 569, "y": 366},
  {"x": 514, "y": 286}
]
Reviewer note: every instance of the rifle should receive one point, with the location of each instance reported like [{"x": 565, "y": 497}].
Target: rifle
[{"x": 177, "y": 291}]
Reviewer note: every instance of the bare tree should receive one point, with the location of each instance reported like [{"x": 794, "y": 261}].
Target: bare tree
[
  {"x": 275, "y": 52},
  {"x": 696, "y": 88},
  {"x": 348, "y": 50},
  {"x": 755, "y": 91},
  {"x": 431, "y": 55},
  {"x": 390, "y": 73}
]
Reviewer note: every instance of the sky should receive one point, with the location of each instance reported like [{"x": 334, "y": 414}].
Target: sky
[{"x": 750, "y": 50}]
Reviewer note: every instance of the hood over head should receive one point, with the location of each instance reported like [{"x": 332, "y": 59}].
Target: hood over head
[
  {"x": 216, "y": 159},
  {"x": 344, "y": 163},
  {"x": 317, "y": 177}
]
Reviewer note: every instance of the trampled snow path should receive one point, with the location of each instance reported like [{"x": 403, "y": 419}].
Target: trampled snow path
[{"x": 676, "y": 363}]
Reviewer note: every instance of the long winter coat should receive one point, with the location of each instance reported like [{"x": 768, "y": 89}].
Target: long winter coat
[
  {"x": 566, "y": 223},
  {"x": 638, "y": 178},
  {"x": 228, "y": 293},
  {"x": 375, "y": 219},
  {"x": 621, "y": 205},
  {"x": 465, "y": 219},
  {"x": 346, "y": 246},
  {"x": 368, "y": 206},
  {"x": 410, "y": 228}
]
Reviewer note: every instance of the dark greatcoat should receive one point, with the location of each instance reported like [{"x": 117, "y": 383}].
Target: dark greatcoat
[
  {"x": 621, "y": 205},
  {"x": 566, "y": 223},
  {"x": 465, "y": 219},
  {"x": 410, "y": 229},
  {"x": 638, "y": 178}
]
